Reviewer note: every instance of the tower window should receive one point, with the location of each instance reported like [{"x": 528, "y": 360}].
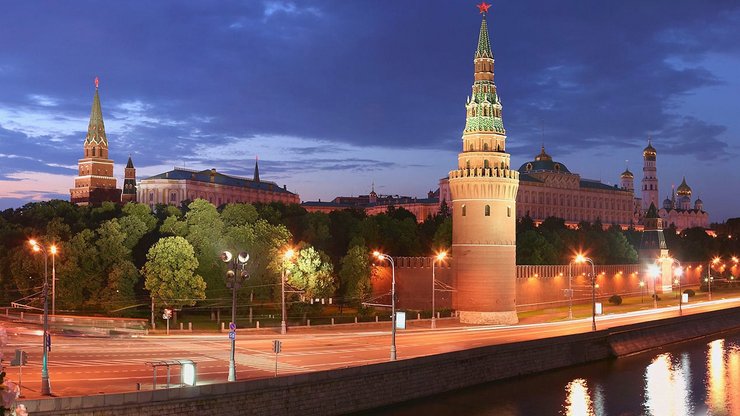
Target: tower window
[
  {"x": 485, "y": 147},
  {"x": 487, "y": 211},
  {"x": 508, "y": 211},
  {"x": 464, "y": 210},
  {"x": 485, "y": 164}
]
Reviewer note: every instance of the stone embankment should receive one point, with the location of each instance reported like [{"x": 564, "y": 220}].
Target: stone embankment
[{"x": 351, "y": 389}]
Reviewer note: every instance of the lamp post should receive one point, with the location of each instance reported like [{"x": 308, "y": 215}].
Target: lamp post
[
  {"x": 679, "y": 272},
  {"x": 45, "y": 385},
  {"x": 570, "y": 290},
  {"x": 439, "y": 257},
  {"x": 709, "y": 276},
  {"x": 234, "y": 281},
  {"x": 380, "y": 255},
  {"x": 286, "y": 258},
  {"x": 583, "y": 259},
  {"x": 642, "y": 291},
  {"x": 654, "y": 271},
  {"x": 53, "y": 251}
]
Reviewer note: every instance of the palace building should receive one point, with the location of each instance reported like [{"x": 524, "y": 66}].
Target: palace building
[
  {"x": 95, "y": 182},
  {"x": 178, "y": 185}
]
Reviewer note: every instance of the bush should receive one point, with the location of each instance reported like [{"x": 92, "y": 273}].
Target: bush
[
  {"x": 690, "y": 292},
  {"x": 656, "y": 297},
  {"x": 615, "y": 300}
]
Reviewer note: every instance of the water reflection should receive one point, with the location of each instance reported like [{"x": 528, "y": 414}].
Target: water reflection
[
  {"x": 715, "y": 380},
  {"x": 578, "y": 400},
  {"x": 733, "y": 380},
  {"x": 667, "y": 388}
]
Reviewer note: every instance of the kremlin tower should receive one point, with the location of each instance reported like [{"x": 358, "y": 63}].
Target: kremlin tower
[
  {"x": 95, "y": 183},
  {"x": 483, "y": 191},
  {"x": 129, "y": 182}
]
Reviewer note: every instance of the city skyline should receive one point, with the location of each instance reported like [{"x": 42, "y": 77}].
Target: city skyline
[{"x": 368, "y": 94}]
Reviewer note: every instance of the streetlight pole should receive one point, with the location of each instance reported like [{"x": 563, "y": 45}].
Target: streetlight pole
[
  {"x": 570, "y": 290},
  {"x": 286, "y": 257},
  {"x": 653, "y": 270},
  {"x": 45, "y": 385},
  {"x": 53, "y": 282},
  {"x": 583, "y": 259},
  {"x": 393, "y": 301},
  {"x": 679, "y": 273},
  {"x": 709, "y": 275},
  {"x": 236, "y": 265},
  {"x": 438, "y": 257}
]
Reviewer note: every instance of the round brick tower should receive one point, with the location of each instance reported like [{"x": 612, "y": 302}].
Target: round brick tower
[{"x": 483, "y": 190}]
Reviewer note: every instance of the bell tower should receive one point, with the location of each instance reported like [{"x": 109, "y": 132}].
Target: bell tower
[{"x": 483, "y": 191}]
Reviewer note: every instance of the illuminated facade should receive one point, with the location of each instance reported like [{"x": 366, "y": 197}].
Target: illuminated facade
[
  {"x": 95, "y": 182},
  {"x": 483, "y": 191},
  {"x": 178, "y": 185}
]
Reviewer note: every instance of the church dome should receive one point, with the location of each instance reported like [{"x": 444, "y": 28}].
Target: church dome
[
  {"x": 543, "y": 163},
  {"x": 683, "y": 189},
  {"x": 627, "y": 174},
  {"x": 649, "y": 152},
  {"x": 667, "y": 204}
]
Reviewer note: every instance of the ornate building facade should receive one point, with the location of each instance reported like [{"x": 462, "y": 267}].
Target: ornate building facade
[
  {"x": 95, "y": 182},
  {"x": 483, "y": 191},
  {"x": 178, "y": 185},
  {"x": 676, "y": 211},
  {"x": 548, "y": 189}
]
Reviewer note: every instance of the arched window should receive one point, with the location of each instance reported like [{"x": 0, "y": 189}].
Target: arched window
[
  {"x": 485, "y": 164},
  {"x": 485, "y": 147},
  {"x": 467, "y": 164},
  {"x": 487, "y": 211},
  {"x": 464, "y": 210},
  {"x": 93, "y": 151}
]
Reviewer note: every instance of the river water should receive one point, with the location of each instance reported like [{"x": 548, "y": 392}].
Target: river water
[{"x": 696, "y": 378}]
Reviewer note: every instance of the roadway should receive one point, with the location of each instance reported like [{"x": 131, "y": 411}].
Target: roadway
[{"x": 86, "y": 365}]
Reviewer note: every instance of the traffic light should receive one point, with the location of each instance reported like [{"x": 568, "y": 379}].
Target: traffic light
[{"x": 21, "y": 358}]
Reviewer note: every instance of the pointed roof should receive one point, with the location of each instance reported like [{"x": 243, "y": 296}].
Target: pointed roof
[
  {"x": 652, "y": 212},
  {"x": 627, "y": 173},
  {"x": 543, "y": 155},
  {"x": 96, "y": 128},
  {"x": 256, "y": 169},
  {"x": 649, "y": 148},
  {"x": 130, "y": 163},
  {"x": 484, "y": 43}
]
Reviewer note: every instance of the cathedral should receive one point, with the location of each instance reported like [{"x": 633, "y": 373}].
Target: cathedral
[{"x": 677, "y": 209}]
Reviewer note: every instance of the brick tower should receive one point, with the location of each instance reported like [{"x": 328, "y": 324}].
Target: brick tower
[
  {"x": 129, "y": 182},
  {"x": 649, "y": 177},
  {"x": 95, "y": 183},
  {"x": 483, "y": 191}
]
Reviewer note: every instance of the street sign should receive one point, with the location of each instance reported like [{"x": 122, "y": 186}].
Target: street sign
[
  {"x": 400, "y": 320},
  {"x": 232, "y": 335},
  {"x": 232, "y": 326},
  {"x": 277, "y": 346},
  {"x": 20, "y": 359},
  {"x": 167, "y": 314}
]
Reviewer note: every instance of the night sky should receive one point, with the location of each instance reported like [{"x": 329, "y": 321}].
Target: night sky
[{"x": 335, "y": 95}]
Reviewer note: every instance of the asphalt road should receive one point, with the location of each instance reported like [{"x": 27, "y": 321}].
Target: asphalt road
[{"x": 85, "y": 365}]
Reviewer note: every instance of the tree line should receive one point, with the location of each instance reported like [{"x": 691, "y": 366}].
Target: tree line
[{"x": 113, "y": 258}]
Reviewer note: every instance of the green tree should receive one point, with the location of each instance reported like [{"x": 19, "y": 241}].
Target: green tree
[
  {"x": 312, "y": 273},
  {"x": 142, "y": 212},
  {"x": 170, "y": 273},
  {"x": 354, "y": 275},
  {"x": 239, "y": 214},
  {"x": 205, "y": 234},
  {"x": 533, "y": 248}
]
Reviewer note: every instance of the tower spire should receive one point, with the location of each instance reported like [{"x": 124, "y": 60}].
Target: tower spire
[
  {"x": 96, "y": 127},
  {"x": 256, "y": 169},
  {"x": 484, "y": 43}
]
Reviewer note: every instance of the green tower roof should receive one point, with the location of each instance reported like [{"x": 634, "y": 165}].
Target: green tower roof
[
  {"x": 96, "y": 128},
  {"x": 484, "y": 43}
]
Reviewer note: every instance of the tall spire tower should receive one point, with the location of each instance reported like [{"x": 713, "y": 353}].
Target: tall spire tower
[
  {"x": 95, "y": 183},
  {"x": 483, "y": 190},
  {"x": 649, "y": 177},
  {"x": 129, "y": 182}
]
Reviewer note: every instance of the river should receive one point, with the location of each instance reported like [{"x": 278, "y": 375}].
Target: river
[{"x": 694, "y": 378}]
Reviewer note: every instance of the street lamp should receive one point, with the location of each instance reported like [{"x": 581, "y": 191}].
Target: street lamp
[
  {"x": 439, "y": 257},
  {"x": 287, "y": 256},
  {"x": 678, "y": 271},
  {"x": 654, "y": 271},
  {"x": 642, "y": 286},
  {"x": 382, "y": 256},
  {"x": 709, "y": 276},
  {"x": 234, "y": 281},
  {"x": 45, "y": 385},
  {"x": 580, "y": 258},
  {"x": 53, "y": 251}
]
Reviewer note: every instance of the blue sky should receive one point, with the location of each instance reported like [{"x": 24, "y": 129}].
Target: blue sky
[{"x": 336, "y": 95}]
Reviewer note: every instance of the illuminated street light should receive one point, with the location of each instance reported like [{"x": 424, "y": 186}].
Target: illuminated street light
[
  {"x": 642, "y": 287},
  {"x": 382, "y": 256},
  {"x": 679, "y": 272},
  {"x": 287, "y": 256},
  {"x": 439, "y": 257},
  {"x": 45, "y": 385},
  {"x": 234, "y": 276},
  {"x": 654, "y": 271},
  {"x": 580, "y": 258}
]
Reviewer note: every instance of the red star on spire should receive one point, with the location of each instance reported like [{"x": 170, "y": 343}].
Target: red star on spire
[
  {"x": 483, "y": 7},
  {"x": 97, "y": 81}
]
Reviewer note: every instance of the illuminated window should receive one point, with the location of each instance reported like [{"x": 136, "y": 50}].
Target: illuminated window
[
  {"x": 508, "y": 211},
  {"x": 487, "y": 211},
  {"x": 464, "y": 210}
]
